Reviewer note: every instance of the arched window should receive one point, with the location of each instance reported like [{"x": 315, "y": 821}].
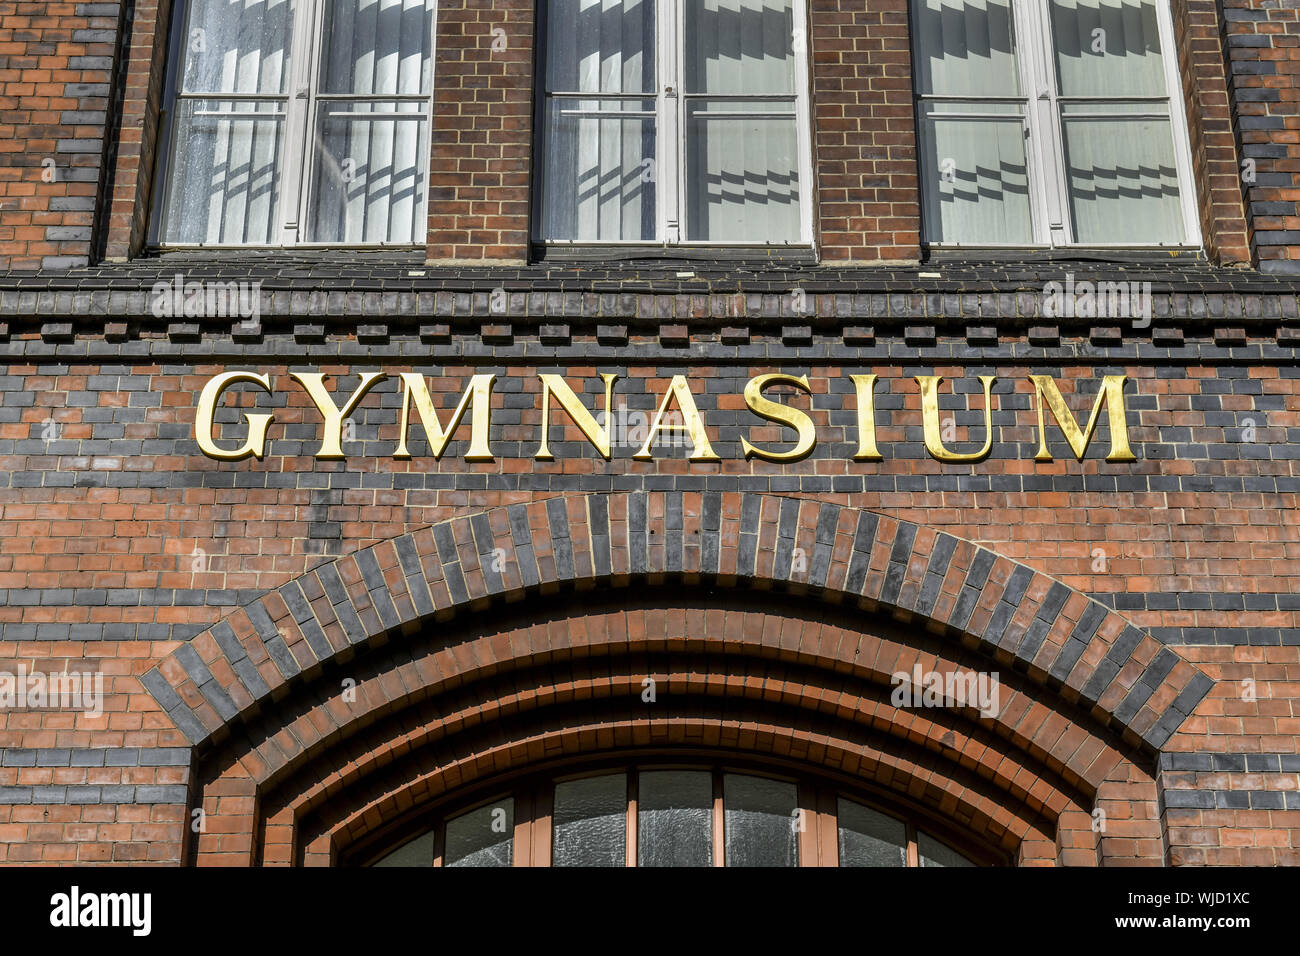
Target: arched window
[{"x": 659, "y": 814}]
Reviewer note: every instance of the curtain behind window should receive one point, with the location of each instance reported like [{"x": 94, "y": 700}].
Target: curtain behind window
[
  {"x": 599, "y": 162},
  {"x": 367, "y": 147},
  {"x": 975, "y": 177},
  {"x": 225, "y": 175},
  {"x": 1119, "y": 155},
  {"x": 742, "y": 148},
  {"x": 371, "y": 140}
]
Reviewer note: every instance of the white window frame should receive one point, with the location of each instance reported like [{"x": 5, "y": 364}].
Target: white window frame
[
  {"x": 670, "y": 144},
  {"x": 302, "y": 99},
  {"x": 1040, "y": 97}
]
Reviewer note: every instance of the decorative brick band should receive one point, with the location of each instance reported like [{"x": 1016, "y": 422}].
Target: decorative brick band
[
  {"x": 1230, "y": 763},
  {"x": 94, "y": 757},
  {"x": 799, "y": 308},
  {"x": 1232, "y": 799},
  {"x": 1026, "y": 620},
  {"x": 109, "y": 775},
  {"x": 113, "y": 794}
]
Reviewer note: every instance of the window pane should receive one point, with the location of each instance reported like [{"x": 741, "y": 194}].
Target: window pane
[
  {"x": 976, "y": 182},
  {"x": 1110, "y": 49},
  {"x": 419, "y": 852},
  {"x": 600, "y": 46},
  {"x": 742, "y": 174},
  {"x": 964, "y": 48},
  {"x": 368, "y": 179},
  {"x": 482, "y": 837},
  {"x": 934, "y": 853},
  {"x": 599, "y": 172},
  {"x": 225, "y": 177},
  {"x": 761, "y": 821},
  {"x": 377, "y": 47},
  {"x": 1122, "y": 179},
  {"x": 238, "y": 46},
  {"x": 590, "y": 822},
  {"x": 675, "y": 818},
  {"x": 868, "y": 838},
  {"x": 739, "y": 46}
]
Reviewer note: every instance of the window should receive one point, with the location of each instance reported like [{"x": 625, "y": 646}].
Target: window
[
  {"x": 674, "y": 121},
  {"x": 1051, "y": 123},
  {"x": 655, "y": 816},
  {"x": 299, "y": 122}
]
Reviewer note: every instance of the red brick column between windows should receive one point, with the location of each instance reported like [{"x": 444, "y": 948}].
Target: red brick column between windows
[
  {"x": 482, "y": 132},
  {"x": 139, "y": 131},
  {"x": 1215, "y": 164},
  {"x": 864, "y": 132},
  {"x": 1263, "y": 38},
  {"x": 56, "y": 70}
]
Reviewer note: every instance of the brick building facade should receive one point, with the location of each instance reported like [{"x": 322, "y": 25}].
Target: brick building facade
[{"x": 311, "y": 655}]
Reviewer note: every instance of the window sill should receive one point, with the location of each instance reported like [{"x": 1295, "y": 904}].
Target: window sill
[
  {"x": 1120, "y": 255},
  {"x": 632, "y": 256}
]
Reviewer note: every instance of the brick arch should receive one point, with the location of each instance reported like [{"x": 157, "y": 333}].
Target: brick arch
[
  {"x": 1056, "y": 636},
  {"x": 586, "y": 699},
  {"x": 450, "y": 707}
]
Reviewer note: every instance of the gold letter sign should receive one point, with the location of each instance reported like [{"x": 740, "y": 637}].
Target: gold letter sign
[
  {"x": 930, "y": 420},
  {"x": 257, "y": 424},
  {"x": 776, "y": 412},
  {"x": 1112, "y": 394},
  {"x": 685, "y": 420}
]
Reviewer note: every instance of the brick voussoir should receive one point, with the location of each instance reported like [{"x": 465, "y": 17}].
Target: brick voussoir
[{"x": 1038, "y": 623}]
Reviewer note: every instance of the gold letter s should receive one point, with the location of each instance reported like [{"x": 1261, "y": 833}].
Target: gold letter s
[{"x": 775, "y": 412}]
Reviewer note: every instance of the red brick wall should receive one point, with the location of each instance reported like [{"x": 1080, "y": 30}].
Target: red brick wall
[
  {"x": 56, "y": 67},
  {"x": 864, "y": 139},
  {"x": 144, "y": 541},
  {"x": 138, "y": 132},
  {"x": 482, "y": 132},
  {"x": 1263, "y": 40},
  {"x": 1215, "y": 163}
]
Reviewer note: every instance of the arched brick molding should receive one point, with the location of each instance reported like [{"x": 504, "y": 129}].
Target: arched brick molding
[{"x": 1063, "y": 646}]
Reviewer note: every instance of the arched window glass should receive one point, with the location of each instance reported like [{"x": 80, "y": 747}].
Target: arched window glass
[
  {"x": 678, "y": 816},
  {"x": 590, "y": 822},
  {"x": 482, "y": 837},
  {"x": 870, "y": 838}
]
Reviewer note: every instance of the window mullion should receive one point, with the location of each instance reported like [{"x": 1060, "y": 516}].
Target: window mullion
[
  {"x": 1038, "y": 154},
  {"x": 299, "y": 109},
  {"x": 719, "y": 822},
  {"x": 1033, "y": 37},
  {"x": 803, "y": 135},
  {"x": 1178, "y": 125},
  {"x": 668, "y": 135}
]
